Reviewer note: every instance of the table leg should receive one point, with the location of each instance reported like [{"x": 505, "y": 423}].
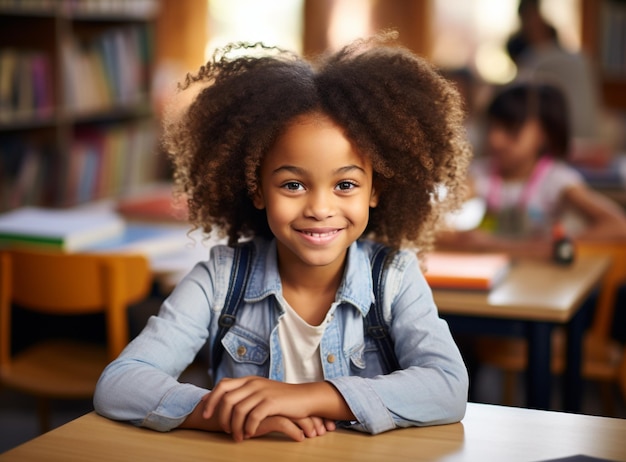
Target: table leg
[
  {"x": 572, "y": 378},
  {"x": 539, "y": 376}
]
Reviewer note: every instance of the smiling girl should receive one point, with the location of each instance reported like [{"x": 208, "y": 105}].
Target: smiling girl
[{"x": 313, "y": 166}]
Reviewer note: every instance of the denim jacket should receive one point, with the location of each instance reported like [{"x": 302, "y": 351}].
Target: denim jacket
[{"x": 141, "y": 385}]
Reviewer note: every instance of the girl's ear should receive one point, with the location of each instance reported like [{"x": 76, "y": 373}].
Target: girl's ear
[
  {"x": 258, "y": 200},
  {"x": 374, "y": 196}
]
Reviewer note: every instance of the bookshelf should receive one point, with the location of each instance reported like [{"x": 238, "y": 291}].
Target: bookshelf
[
  {"x": 76, "y": 121},
  {"x": 604, "y": 38}
]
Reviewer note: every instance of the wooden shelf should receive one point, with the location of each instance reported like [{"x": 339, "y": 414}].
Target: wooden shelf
[{"x": 603, "y": 39}]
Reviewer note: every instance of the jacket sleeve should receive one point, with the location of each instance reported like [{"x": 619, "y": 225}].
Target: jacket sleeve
[{"x": 141, "y": 386}]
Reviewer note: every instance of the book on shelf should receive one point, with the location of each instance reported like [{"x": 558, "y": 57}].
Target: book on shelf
[
  {"x": 108, "y": 160},
  {"x": 67, "y": 230},
  {"x": 466, "y": 270},
  {"x": 28, "y": 173},
  {"x": 25, "y": 85},
  {"x": 107, "y": 71}
]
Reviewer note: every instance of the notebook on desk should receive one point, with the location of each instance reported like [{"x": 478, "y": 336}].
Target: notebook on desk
[{"x": 466, "y": 271}]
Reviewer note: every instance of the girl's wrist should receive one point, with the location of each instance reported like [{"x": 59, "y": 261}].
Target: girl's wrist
[
  {"x": 196, "y": 421},
  {"x": 326, "y": 401}
]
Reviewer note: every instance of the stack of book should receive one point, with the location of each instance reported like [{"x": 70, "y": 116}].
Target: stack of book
[{"x": 58, "y": 229}]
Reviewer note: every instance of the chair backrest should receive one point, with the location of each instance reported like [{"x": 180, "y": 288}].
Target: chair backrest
[
  {"x": 61, "y": 283},
  {"x": 614, "y": 277}
]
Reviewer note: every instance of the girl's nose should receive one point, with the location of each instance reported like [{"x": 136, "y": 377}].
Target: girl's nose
[{"x": 320, "y": 204}]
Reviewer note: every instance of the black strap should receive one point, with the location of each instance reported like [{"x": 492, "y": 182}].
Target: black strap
[
  {"x": 375, "y": 325},
  {"x": 242, "y": 261}
]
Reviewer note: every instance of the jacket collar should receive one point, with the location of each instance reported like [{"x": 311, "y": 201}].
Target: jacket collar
[{"x": 355, "y": 288}]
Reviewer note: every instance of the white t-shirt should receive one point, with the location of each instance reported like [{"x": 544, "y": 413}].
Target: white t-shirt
[
  {"x": 300, "y": 345},
  {"x": 514, "y": 208}
]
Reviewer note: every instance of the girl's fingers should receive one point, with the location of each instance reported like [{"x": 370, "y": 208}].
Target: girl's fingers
[
  {"x": 308, "y": 426},
  {"x": 282, "y": 425},
  {"x": 215, "y": 396},
  {"x": 236, "y": 409},
  {"x": 330, "y": 425}
]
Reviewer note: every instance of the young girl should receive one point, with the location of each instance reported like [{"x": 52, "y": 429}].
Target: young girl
[
  {"x": 526, "y": 183},
  {"x": 307, "y": 161}
]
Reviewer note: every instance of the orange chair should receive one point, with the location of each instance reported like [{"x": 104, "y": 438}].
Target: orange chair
[
  {"x": 66, "y": 284},
  {"x": 604, "y": 359}
]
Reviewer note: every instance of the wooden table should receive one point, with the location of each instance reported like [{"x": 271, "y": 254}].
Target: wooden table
[
  {"x": 486, "y": 433},
  {"x": 540, "y": 295}
]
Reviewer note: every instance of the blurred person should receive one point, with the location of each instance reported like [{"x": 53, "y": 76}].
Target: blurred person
[
  {"x": 536, "y": 51},
  {"x": 525, "y": 183}
]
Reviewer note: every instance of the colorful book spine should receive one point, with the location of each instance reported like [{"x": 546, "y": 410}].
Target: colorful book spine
[
  {"x": 26, "y": 85},
  {"x": 109, "y": 160},
  {"x": 107, "y": 71}
]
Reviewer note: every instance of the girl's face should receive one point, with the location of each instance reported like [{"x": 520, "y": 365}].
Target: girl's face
[
  {"x": 317, "y": 191},
  {"x": 515, "y": 151}
]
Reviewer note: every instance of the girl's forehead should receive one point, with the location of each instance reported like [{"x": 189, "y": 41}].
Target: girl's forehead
[{"x": 314, "y": 138}]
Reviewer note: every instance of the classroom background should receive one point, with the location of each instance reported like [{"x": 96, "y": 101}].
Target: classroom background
[{"x": 84, "y": 85}]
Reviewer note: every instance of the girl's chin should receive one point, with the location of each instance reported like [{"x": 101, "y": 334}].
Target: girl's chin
[{"x": 318, "y": 258}]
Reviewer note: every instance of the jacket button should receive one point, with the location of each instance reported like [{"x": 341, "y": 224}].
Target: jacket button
[
  {"x": 330, "y": 358},
  {"x": 241, "y": 350}
]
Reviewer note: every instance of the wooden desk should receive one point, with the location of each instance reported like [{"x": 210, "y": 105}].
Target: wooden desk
[
  {"x": 533, "y": 291},
  {"x": 540, "y": 295},
  {"x": 486, "y": 433}
]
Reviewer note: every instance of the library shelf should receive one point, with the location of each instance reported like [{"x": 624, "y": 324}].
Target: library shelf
[{"x": 76, "y": 118}]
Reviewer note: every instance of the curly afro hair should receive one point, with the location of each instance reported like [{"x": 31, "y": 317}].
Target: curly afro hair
[{"x": 393, "y": 106}]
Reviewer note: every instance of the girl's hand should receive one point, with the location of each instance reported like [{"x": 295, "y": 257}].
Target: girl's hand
[
  {"x": 243, "y": 404},
  {"x": 297, "y": 430}
]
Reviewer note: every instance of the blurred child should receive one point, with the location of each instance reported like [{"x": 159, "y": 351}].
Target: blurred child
[
  {"x": 526, "y": 183},
  {"x": 315, "y": 164}
]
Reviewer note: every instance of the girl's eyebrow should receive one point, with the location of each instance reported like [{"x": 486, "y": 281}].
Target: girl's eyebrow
[{"x": 300, "y": 171}]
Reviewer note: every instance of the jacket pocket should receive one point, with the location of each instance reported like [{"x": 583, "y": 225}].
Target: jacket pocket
[
  {"x": 365, "y": 359},
  {"x": 244, "y": 346}
]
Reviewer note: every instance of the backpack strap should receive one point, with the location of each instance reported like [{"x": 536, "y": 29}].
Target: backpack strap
[
  {"x": 375, "y": 325},
  {"x": 242, "y": 261}
]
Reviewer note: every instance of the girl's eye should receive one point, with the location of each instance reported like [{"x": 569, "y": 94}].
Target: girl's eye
[
  {"x": 293, "y": 186},
  {"x": 346, "y": 185}
]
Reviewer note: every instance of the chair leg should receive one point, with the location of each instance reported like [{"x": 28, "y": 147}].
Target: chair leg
[
  {"x": 509, "y": 387},
  {"x": 43, "y": 413},
  {"x": 607, "y": 398},
  {"x": 621, "y": 375}
]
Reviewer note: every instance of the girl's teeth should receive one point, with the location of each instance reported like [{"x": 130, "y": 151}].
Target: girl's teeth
[{"x": 319, "y": 234}]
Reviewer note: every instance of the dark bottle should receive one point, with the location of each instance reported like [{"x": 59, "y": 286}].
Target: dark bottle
[{"x": 563, "y": 251}]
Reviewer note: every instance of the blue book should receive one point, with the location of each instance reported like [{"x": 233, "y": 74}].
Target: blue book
[{"x": 146, "y": 239}]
